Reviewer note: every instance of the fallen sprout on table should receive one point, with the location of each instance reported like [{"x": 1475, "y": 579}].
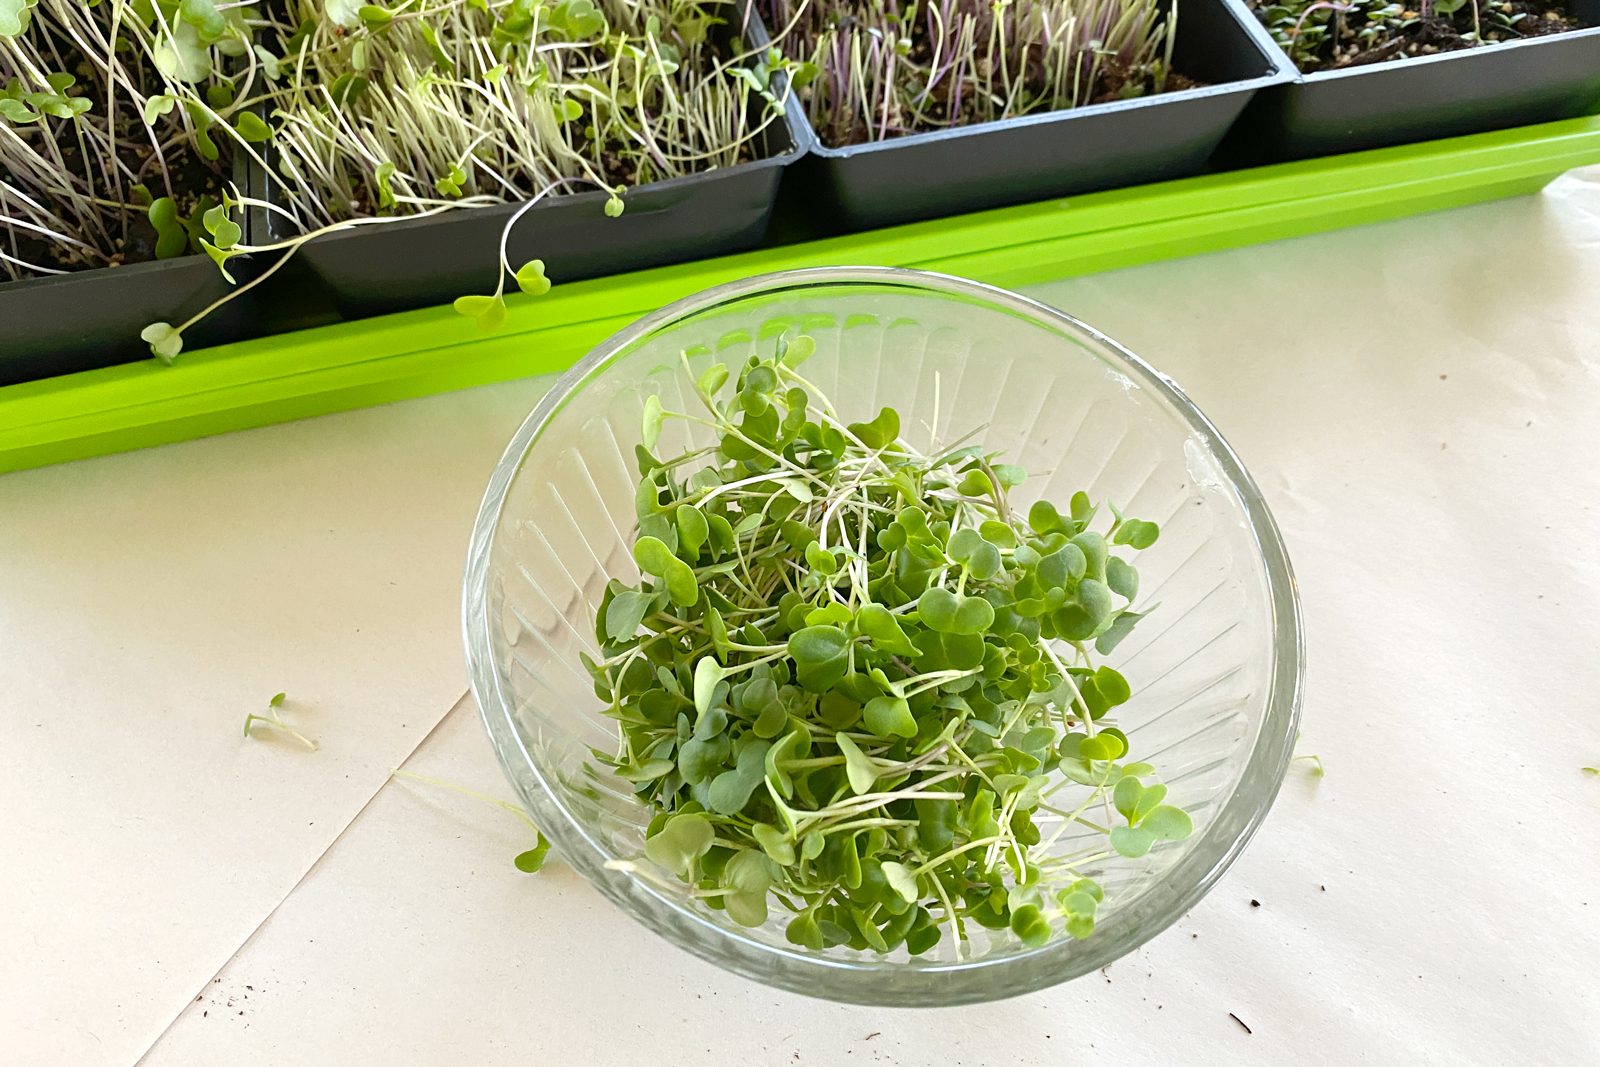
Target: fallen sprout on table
[{"x": 274, "y": 720}]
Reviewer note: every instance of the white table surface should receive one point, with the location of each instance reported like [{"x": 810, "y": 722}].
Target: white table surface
[{"x": 1420, "y": 402}]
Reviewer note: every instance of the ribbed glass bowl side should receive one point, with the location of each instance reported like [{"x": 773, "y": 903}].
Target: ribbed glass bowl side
[{"x": 1215, "y": 668}]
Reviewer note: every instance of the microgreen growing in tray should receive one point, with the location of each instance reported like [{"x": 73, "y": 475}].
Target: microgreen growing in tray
[
  {"x": 1340, "y": 34},
  {"x": 275, "y": 720},
  {"x": 115, "y": 119},
  {"x": 859, "y": 684},
  {"x": 118, "y": 118},
  {"x": 405, "y": 107},
  {"x": 876, "y": 69}
]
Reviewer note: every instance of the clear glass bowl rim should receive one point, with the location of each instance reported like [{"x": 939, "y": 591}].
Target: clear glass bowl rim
[{"x": 862, "y": 980}]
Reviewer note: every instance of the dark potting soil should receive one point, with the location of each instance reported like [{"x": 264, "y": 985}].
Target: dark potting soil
[
  {"x": 133, "y": 237},
  {"x": 1411, "y": 33},
  {"x": 1115, "y": 82},
  {"x": 619, "y": 169},
  {"x": 1119, "y": 83},
  {"x": 128, "y": 235}
]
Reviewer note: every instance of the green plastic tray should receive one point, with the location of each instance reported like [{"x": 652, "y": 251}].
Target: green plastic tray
[{"x": 349, "y": 365}]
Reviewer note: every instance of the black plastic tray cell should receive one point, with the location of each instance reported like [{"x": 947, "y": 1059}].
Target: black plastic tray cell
[
  {"x": 1056, "y": 153},
  {"x": 90, "y": 319},
  {"x": 402, "y": 265},
  {"x": 396, "y": 266},
  {"x": 1516, "y": 83}
]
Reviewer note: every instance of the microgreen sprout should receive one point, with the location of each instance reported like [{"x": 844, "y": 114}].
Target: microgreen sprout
[
  {"x": 528, "y": 861},
  {"x": 478, "y": 102},
  {"x": 101, "y": 103},
  {"x": 274, "y": 719},
  {"x": 490, "y": 311},
  {"x": 1313, "y": 765},
  {"x": 382, "y": 112},
  {"x": 858, "y": 683},
  {"x": 875, "y": 69},
  {"x": 115, "y": 118},
  {"x": 1329, "y": 35}
]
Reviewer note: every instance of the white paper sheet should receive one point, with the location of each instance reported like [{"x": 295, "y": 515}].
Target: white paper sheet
[
  {"x": 1421, "y": 404},
  {"x": 148, "y": 602}
]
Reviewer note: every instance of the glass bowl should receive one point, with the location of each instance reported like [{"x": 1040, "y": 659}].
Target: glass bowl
[{"x": 1215, "y": 670}]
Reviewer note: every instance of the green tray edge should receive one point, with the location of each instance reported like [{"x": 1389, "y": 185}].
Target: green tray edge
[{"x": 418, "y": 353}]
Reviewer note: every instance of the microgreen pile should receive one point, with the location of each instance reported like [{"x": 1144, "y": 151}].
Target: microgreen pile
[
  {"x": 883, "y": 68},
  {"x": 858, "y": 684}
]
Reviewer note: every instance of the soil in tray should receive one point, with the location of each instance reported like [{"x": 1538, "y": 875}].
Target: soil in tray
[
  {"x": 116, "y": 233},
  {"x": 848, "y": 103},
  {"x": 1322, "y": 36},
  {"x": 134, "y": 235}
]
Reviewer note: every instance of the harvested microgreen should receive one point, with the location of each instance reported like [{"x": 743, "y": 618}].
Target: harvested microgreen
[
  {"x": 274, "y": 719},
  {"x": 528, "y": 861},
  {"x": 859, "y": 683},
  {"x": 1313, "y": 765}
]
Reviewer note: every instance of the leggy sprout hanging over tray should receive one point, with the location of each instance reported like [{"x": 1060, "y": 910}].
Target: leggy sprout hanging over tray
[{"x": 1330, "y": 35}]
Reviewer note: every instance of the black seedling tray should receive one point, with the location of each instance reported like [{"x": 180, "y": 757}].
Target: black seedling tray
[
  {"x": 402, "y": 265},
  {"x": 418, "y": 353},
  {"x": 396, "y": 266},
  {"x": 1012, "y": 161},
  {"x": 1449, "y": 94},
  {"x": 92, "y": 318}
]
